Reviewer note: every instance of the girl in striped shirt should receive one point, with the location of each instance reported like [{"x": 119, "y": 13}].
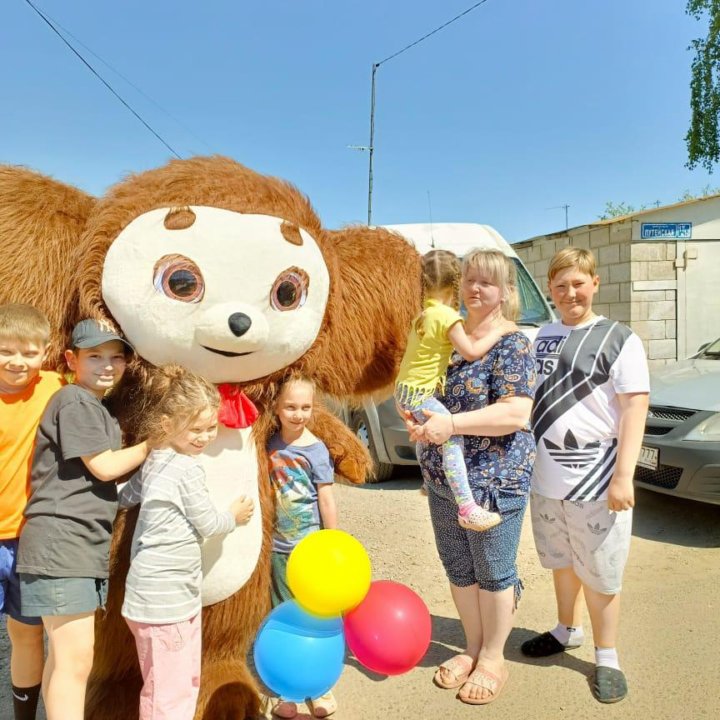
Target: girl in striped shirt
[{"x": 162, "y": 603}]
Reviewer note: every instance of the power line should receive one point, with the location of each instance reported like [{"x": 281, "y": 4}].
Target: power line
[
  {"x": 102, "y": 80},
  {"x": 432, "y": 32},
  {"x": 132, "y": 84},
  {"x": 370, "y": 147}
]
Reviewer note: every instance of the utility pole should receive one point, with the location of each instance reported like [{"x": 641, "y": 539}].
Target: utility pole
[{"x": 371, "y": 146}]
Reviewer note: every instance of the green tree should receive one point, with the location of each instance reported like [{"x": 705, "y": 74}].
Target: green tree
[
  {"x": 705, "y": 192},
  {"x": 703, "y": 142},
  {"x": 613, "y": 210}
]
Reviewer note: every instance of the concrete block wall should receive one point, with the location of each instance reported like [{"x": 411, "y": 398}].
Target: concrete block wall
[
  {"x": 654, "y": 299},
  {"x": 637, "y": 281}
]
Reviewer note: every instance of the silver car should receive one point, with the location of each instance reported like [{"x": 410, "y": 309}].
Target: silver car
[{"x": 680, "y": 454}]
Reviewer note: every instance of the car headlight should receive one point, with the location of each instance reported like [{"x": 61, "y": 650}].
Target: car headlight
[{"x": 707, "y": 431}]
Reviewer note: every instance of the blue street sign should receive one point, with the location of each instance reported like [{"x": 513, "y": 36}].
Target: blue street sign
[{"x": 666, "y": 231}]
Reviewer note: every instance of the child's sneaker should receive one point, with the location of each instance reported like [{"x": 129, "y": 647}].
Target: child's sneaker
[{"x": 476, "y": 517}]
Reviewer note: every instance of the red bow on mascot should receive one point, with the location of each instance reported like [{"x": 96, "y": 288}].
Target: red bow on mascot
[{"x": 230, "y": 273}]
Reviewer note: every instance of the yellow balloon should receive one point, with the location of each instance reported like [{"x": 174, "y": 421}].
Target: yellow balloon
[{"x": 329, "y": 572}]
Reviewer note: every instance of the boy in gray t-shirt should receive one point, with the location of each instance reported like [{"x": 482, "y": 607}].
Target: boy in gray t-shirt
[{"x": 65, "y": 543}]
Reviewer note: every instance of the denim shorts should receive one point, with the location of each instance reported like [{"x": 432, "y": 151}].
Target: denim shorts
[
  {"x": 43, "y": 595},
  {"x": 10, "y": 584},
  {"x": 488, "y": 558}
]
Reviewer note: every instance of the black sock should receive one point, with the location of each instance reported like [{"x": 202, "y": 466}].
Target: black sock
[{"x": 25, "y": 702}]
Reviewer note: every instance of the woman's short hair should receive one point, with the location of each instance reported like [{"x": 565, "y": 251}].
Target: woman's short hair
[
  {"x": 572, "y": 257},
  {"x": 499, "y": 268}
]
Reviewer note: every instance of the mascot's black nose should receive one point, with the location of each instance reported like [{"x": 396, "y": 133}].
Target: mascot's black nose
[{"x": 239, "y": 323}]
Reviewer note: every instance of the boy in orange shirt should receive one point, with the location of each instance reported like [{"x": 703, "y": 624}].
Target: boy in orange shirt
[{"x": 24, "y": 392}]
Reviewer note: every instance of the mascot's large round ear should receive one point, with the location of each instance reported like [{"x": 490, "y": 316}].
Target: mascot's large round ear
[
  {"x": 374, "y": 295},
  {"x": 41, "y": 223}
]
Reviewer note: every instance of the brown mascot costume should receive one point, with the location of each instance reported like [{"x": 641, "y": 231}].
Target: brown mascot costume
[{"x": 230, "y": 273}]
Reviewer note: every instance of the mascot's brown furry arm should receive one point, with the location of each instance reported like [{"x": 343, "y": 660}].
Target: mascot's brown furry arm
[{"x": 231, "y": 274}]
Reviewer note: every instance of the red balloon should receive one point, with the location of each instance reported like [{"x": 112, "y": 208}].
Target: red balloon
[{"x": 389, "y": 631}]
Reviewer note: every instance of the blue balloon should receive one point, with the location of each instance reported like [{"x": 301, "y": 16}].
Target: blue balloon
[{"x": 298, "y": 655}]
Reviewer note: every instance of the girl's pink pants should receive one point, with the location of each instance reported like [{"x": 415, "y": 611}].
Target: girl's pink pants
[{"x": 169, "y": 658}]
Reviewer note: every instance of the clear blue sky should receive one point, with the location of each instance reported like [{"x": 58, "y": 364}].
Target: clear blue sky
[{"x": 519, "y": 106}]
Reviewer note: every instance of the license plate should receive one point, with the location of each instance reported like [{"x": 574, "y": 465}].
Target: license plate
[{"x": 648, "y": 458}]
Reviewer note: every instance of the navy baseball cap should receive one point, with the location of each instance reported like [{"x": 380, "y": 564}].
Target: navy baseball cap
[{"x": 90, "y": 333}]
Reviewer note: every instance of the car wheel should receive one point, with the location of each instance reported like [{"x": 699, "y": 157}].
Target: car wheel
[{"x": 380, "y": 470}]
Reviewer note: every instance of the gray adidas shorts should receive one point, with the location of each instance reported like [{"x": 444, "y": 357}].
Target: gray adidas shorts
[{"x": 586, "y": 536}]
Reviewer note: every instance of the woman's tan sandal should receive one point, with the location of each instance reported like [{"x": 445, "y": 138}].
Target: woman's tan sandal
[
  {"x": 482, "y": 678},
  {"x": 458, "y": 667}
]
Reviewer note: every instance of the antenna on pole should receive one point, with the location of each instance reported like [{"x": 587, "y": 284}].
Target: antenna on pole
[
  {"x": 370, "y": 148},
  {"x": 562, "y": 207}
]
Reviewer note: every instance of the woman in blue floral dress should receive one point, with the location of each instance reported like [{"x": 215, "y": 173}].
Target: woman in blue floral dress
[{"x": 490, "y": 401}]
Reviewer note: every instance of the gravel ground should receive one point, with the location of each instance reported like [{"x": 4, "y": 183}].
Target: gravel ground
[{"x": 670, "y": 624}]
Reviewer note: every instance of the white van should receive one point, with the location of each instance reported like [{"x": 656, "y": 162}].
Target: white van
[{"x": 378, "y": 425}]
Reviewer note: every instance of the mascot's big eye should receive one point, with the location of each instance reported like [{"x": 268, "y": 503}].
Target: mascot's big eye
[
  {"x": 179, "y": 278},
  {"x": 290, "y": 290}
]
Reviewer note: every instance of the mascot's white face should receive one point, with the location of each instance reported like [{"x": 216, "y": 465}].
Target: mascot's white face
[
  {"x": 229, "y": 297},
  {"x": 232, "y": 297}
]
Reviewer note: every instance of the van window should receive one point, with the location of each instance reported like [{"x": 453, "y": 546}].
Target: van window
[{"x": 533, "y": 308}]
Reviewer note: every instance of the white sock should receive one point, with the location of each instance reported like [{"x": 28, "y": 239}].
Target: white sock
[
  {"x": 568, "y": 635},
  {"x": 607, "y": 657}
]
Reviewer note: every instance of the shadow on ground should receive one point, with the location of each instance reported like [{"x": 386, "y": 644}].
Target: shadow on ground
[
  {"x": 672, "y": 520},
  {"x": 448, "y": 639},
  {"x": 658, "y": 517}
]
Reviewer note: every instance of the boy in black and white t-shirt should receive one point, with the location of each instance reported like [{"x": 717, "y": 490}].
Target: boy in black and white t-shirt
[{"x": 588, "y": 420}]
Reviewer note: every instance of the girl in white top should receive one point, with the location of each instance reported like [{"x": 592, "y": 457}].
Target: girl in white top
[{"x": 162, "y": 594}]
